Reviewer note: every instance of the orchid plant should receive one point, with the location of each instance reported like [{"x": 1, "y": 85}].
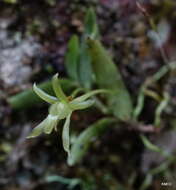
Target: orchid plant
[{"x": 61, "y": 108}]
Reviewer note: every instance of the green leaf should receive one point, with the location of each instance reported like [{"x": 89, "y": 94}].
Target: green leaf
[
  {"x": 66, "y": 136},
  {"x": 72, "y": 57},
  {"x": 120, "y": 104},
  {"x": 58, "y": 90},
  {"x": 108, "y": 76},
  {"x": 82, "y": 143},
  {"x": 85, "y": 68},
  {"x": 90, "y": 24},
  {"x": 44, "y": 96}
]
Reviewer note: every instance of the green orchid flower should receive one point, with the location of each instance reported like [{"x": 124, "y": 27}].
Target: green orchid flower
[{"x": 61, "y": 108}]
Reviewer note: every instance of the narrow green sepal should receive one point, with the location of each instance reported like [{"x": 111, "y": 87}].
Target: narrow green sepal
[
  {"x": 58, "y": 90},
  {"x": 44, "y": 96},
  {"x": 89, "y": 94},
  {"x": 66, "y": 136},
  {"x": 82, "y": 105}
]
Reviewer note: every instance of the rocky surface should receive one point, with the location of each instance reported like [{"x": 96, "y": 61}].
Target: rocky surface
[{"x": 15, "y": 56}]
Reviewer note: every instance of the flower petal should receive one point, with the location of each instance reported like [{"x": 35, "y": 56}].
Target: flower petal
[
  {"x": 38, "y": 130},
  {"x": 53, "y": 109},
  {"x": 82, "y": 105},
  {"x": 50, "y": 124},
  {"x": 75, "y": 92},
  {"x": 58, "y": 90},
  {"x": 65, "y": 135},
  {"x": 44, "y": 96},
  {"x": 87, "y": 95}
]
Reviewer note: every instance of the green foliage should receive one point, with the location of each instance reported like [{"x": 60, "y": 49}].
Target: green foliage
[
  {"x": 95, "y": 65},
  {"x": 83, "y": 141},
  {"x": 85, "y": 67},
  {"x": 108, "y": 76},
  {"x": 78, "y": 60},
  {"x": 85, "y": 60},
  {"x": 91, "y": 27},
  {"x": 72, "y": 57}
]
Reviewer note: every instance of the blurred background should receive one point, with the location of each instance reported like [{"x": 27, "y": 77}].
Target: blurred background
[{"x": 140, "y": 37}]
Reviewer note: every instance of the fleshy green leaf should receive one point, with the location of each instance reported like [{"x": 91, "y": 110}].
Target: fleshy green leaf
[
  {"x": 85, "y": 68},
  {"x": 43, "y": 95},
  {"x": 90, "y": 24},
  {"x": 72, "y": 57},
  {"x": 108, "y": 76},
  {"x": 58, "y": 90},
  {"x": 120, "y": 104},
  {"x": 65, "y": 135},
  {"x": 83, "y": 141}
]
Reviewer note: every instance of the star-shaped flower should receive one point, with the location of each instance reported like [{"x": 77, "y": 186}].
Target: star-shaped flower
[{"x": 61, "y": 107}]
